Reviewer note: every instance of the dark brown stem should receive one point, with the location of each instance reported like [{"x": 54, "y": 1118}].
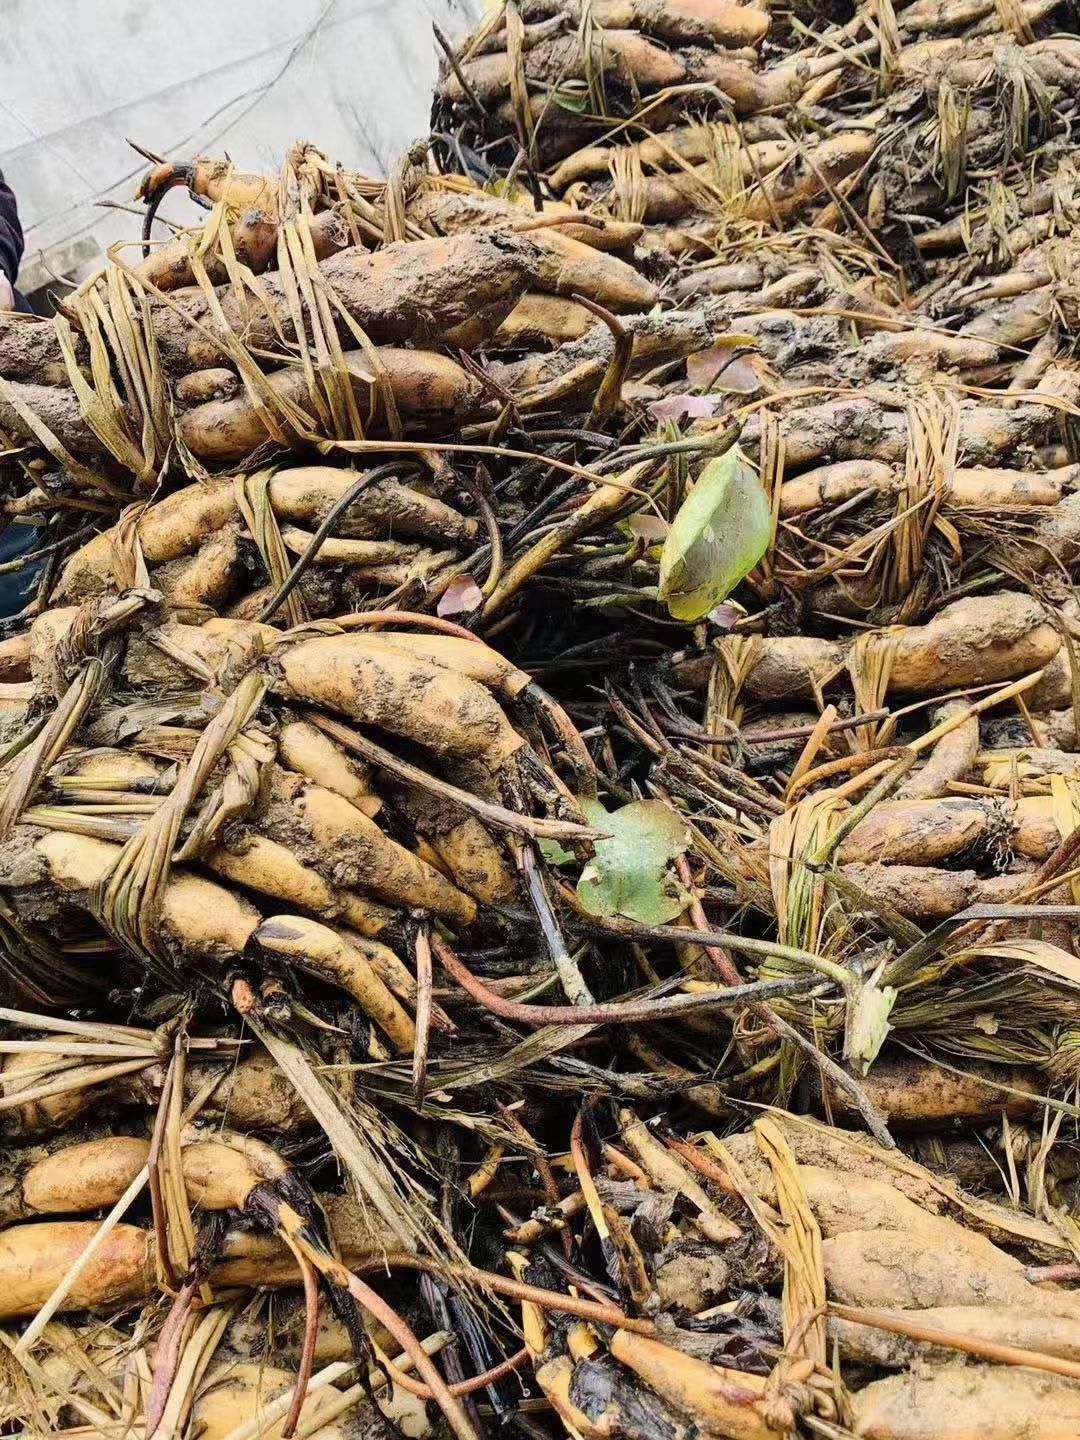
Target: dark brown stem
[
  {"x": 462, "y": 1387},
  {"x": 626, "y": 1012}
]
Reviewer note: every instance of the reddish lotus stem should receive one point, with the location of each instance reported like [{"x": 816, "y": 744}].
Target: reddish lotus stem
[
  {"x": 546, "y": 1173},
  {"x": 515, "y": 1290},
  {"x": 307, "y": 1354},
  {"x": 1052, "y": 1274},
  {"x": 168, "y": 1353},
  {"x": 705, "y": 1166},
  {"x": 722, "y": 963},
  {"x": 462, "y": 1387},
  {"x": 385, "y": 1313}
]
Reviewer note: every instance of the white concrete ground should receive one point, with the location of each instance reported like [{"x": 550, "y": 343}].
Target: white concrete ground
[{"x": 243, "y": 77}]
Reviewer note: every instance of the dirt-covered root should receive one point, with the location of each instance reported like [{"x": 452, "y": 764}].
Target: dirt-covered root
[
  {"x": 220, "y": 1169},
  {"x": 544, "y": 320},
  {"x": 671, "y": 151},
  {"x": 425, "y": 386},
  {"x": 36, "y": 1256},
  {"x": 351, "y": 850},
  {"x": 249, "y": 1093},
  {"x": 15, "y": 659},
  {"x": 215, "y": 383},
  {"x": 928, "y": 892},
  {"x": 415, "y": 292},
  {"x": 975, "y": 488},
  {"x": 781, "y": 668},
  {"x": 249, "y": 1260},
  {"x": 928, "y": 832},
  {"x": 204, "y": 924},
  {"x": 991, "y": 488},
  {"x": 1017, "y": 321},
  {"x": 578, "y": 366},
  {"x": 440, "y": 211},
  {"x": 779, "y": 179},
  {"x": 208, "y": 580},
  {"x": 845, "y": 1202},
  {"x": 391, "y": 562},
  {"x": 969, "y": 1402},
  {"x": 254, "y": 236},
  {"x": 859, "y": 427},
  {"x": 849, "y": 1154},
  {"x": 305, "y": 494},
  {"x": 171, "y": 529},
  {"x": 467, "y": 657},
  {"x": 898, "y": 348},
  {"x": 255, "y": 862},
  {"x": 623, "y": 57},
  {"x": 903, "y": 1270},
  {"x": 1047, "y": 541},
  {"x": 992, "y": 1324},
  {"x": 1054, "y": 692},
  {"x": 978, "y": 640},
  {"x": 950, "y": 759},
  {"x": 939, "y": 17},
  {"x": 400, "y": 692},
  {"x": 567, "y": 260},
  {"x": 70, "y": 1179},
  {"x": 27, "y": 406},
  {"x": 916, "y": 1094},
  {"x": 166, "y": 657},
  {"x": 191, "y": 539},
  {"x": 344, "y": 962},
  {"x": 703, "y": 1391},
  {"x": 836, "y": 484},
  {"x": 215, "y": 178},
  {"x": 461, "y": 846},
  {"x": 1035, "y": 207},
  {"x": 29, "y": 353},
  {"x": 197, "y": 920},
  {"x": 305, "y": 749},
  {"x": 682, "y": 22},
  {"x": 1001, "y": 767},
  {"x": 570, "y": 267}
]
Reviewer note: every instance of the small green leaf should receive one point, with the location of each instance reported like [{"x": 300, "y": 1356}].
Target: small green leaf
[
  {"x": 722, "y": 530},
  {"x": 630, "y": 874},
  {"x": 867, "y": 1022},
  {"x": 576, "y": 101},
  {"x": 503, "y": 188},
  {"x": 553, "y": 852}
]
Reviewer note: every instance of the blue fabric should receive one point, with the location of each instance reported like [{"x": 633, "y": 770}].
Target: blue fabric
[{"x": 17, "y": 588}]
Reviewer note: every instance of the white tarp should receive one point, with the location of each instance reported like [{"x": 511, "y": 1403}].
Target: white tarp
[{"x": 246, "y": 77}]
